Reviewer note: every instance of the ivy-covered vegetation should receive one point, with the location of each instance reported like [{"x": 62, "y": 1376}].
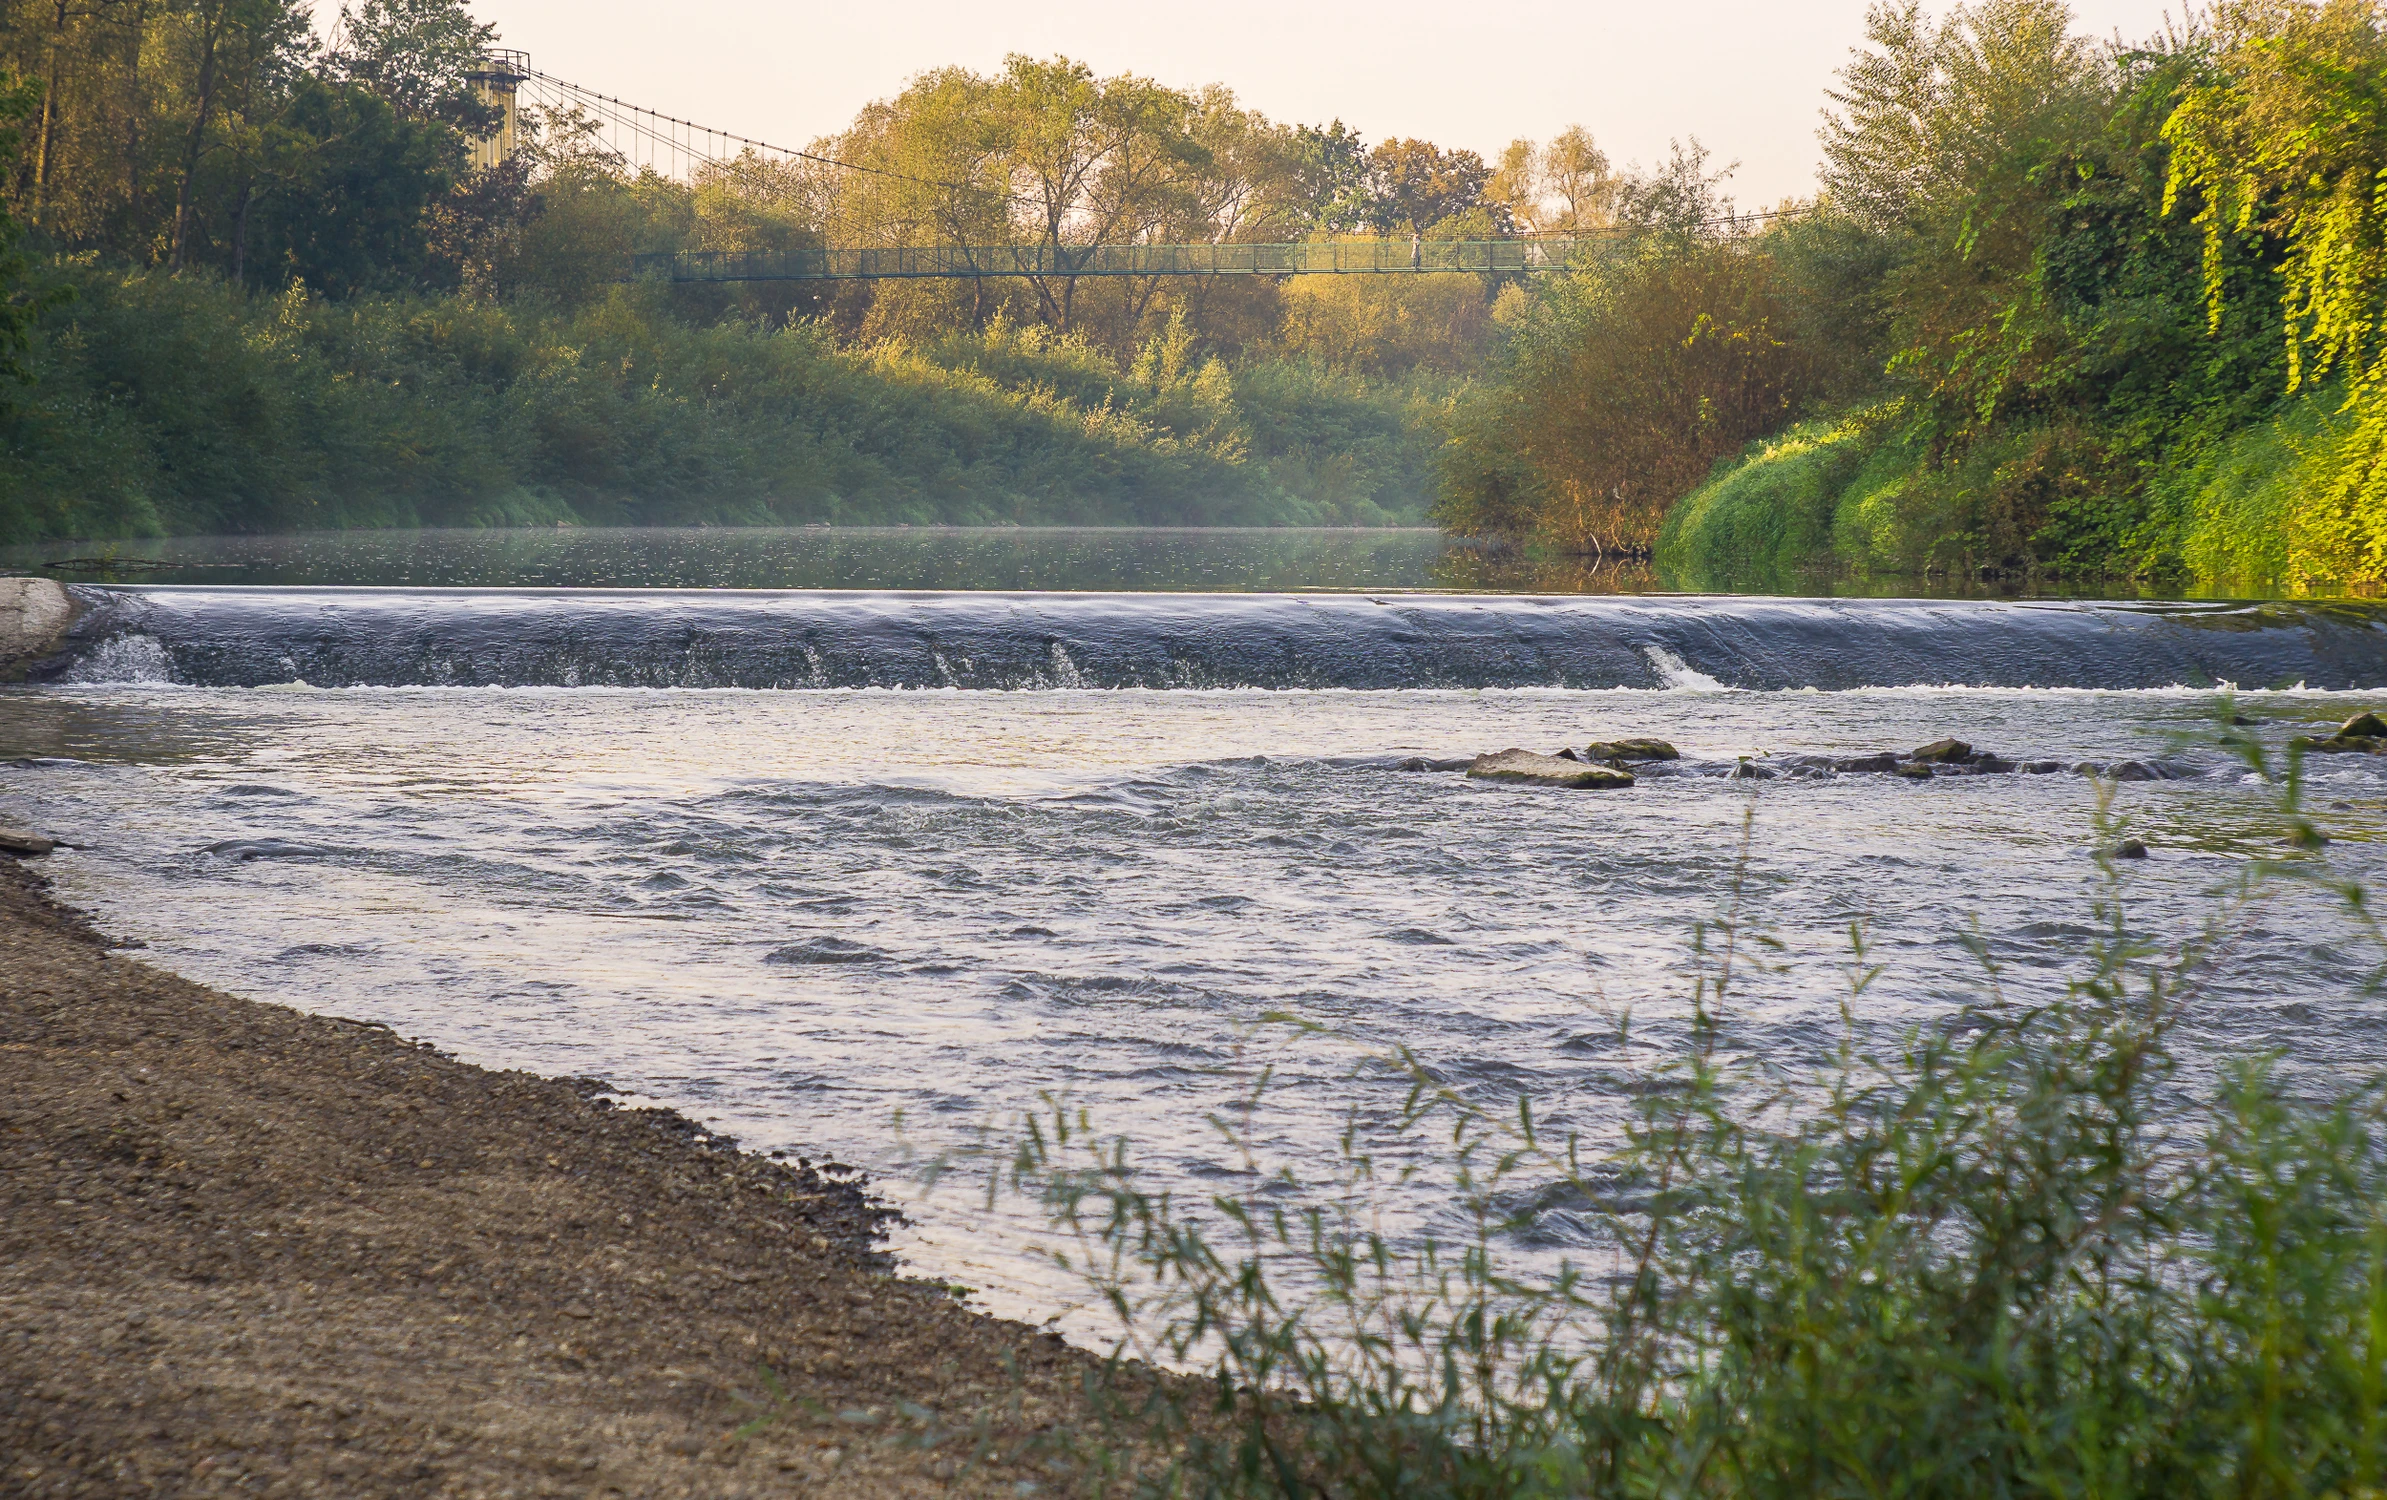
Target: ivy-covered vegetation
[{"x": 2061, "y": 307}]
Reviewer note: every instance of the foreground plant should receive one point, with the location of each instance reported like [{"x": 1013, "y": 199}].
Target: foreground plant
[{"x": 2014, "y": 1252}]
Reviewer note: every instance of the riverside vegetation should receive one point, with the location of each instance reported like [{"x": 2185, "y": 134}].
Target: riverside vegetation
[
  {"x": 2060, "y": 306},
  {"x": 2015, "y": 1251},
  {"x": 253, "y": 283}
]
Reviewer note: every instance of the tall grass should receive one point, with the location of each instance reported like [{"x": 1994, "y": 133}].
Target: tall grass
[
  {"x": 177, "y": 404},
  {"x": 2018, "y": 1251}
]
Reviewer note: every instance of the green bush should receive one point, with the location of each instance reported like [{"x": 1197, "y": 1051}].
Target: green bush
[{"x": 1766, "y": 517}]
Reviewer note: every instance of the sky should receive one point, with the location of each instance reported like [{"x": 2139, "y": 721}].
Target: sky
[{"x": 1745, "y": 76}]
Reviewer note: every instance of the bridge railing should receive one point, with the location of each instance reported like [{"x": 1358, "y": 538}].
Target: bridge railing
[{"x": 1329, "y": 257}]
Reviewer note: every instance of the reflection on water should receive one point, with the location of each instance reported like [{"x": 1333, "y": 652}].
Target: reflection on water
[{"x": 1073, "y": 559}]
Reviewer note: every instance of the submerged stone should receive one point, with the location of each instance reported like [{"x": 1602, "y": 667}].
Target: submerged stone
[
  {"x": 824, "y": 950},
  {"x": 2130, "y": 849},
  {"x": 2342, "y": 744},
  {"x": 1915, "y": 770},
  {"x": 1630, "y": 750},
  {"x": 1885, "y": 763},
  {"x": 1525, "y": 768}
]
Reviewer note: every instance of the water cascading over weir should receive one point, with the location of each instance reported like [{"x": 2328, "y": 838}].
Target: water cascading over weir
[{"x": 246, "y": 637}]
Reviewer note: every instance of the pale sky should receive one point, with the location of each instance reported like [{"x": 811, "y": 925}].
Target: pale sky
[{"x": 1746, "y": 77}]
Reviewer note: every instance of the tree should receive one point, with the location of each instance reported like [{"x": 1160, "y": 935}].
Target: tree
[
  {"x": 1575, "y": 171},
  {"x": 19, "y": 98},
  {"x": 2283, "y": 142},
  {"x": 1682, "y": 197},
  {"x": 1621, "y": 390},
  {"x": 1561, "y": 188},
  {"x": 414, "y": 55},
  {"x": 345, "y": 195},
  {"x": 1418, "y": 184},
  {"x": 1332, "y": 191}
]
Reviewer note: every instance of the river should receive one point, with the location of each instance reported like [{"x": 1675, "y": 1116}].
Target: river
[{"x": 858, "y": 873}]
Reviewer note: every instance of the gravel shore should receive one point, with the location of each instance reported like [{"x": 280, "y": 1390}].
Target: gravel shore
[{"x": 248, "y": 1251}]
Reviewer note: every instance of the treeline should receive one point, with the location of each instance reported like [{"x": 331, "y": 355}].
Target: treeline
[
  {"x": 220, "y": 134},
  {"x": 2061, "y": 307},
  {"x": 259, "y": 282}
]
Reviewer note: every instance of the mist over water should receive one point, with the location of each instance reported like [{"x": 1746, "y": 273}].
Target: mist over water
[{"x": 1142, "y": 559}]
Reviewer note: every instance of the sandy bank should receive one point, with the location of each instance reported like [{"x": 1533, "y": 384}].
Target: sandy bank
[{"x": 249, "y": 1251}]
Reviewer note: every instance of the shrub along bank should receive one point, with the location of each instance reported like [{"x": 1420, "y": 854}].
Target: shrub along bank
[
  {"x": 2250, "y": 508},
  {"x": 2063, "y": 307}
]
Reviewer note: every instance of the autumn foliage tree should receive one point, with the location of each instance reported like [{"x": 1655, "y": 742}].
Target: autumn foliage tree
[{"x": 1624, "y": 383}]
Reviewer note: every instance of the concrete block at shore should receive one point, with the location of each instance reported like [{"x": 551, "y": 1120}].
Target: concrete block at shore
[{"x": 34, "y": 615}]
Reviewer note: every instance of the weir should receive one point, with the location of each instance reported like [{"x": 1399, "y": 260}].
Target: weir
[{"x": 247, "y": 637}]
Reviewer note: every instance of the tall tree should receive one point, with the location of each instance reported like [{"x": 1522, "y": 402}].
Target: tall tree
[
  {"x": 1333, "y": 191},
  {"x": 1418, "y": 185},
  {"x": 415, "y": 55},
  {"x": 19, "y": 99}
]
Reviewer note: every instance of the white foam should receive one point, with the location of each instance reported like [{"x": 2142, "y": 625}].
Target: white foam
[
  {"x": 123, "y": 658},
  {"x": 1680, "y": 676}
]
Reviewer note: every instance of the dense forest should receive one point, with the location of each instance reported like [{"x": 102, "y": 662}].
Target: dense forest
[{"x": 2060, "y": 307}]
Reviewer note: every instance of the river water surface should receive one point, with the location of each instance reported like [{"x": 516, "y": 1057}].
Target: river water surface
[{"x": 805, "y": 912}]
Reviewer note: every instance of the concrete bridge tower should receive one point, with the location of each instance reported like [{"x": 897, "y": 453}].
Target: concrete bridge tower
[{"x": 494, "y": 79}]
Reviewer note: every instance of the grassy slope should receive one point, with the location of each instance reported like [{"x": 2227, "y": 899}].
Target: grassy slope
[{"x": 182, "y": 405}]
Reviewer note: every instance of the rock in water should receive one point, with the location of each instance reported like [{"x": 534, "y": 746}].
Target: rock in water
[
  {"x": 2363, "y": 727},
  {"x": 2130, "y": 849},
  {"x": 2341, "y": 744},
  {"x": 1885, "y": 763},
  {"x": 1944, "y": 752},
  {"x": 1631, "y": 750},
  {"x": 1528, "y": 769},
  {"x": 18, "y": 841},
  {"x": 1914, "y": 771}
]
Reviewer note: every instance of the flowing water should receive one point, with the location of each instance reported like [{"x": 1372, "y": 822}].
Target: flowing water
[{"x": 808, "y": 865}]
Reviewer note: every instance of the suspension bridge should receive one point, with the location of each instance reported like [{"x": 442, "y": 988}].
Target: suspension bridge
[{"x": 648, "y": 140}]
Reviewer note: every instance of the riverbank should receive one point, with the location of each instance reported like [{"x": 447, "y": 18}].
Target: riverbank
[{"x": 245, "y": 1250}]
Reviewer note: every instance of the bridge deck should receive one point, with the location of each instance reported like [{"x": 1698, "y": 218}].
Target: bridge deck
[{"x": 1334, "y": 257}]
